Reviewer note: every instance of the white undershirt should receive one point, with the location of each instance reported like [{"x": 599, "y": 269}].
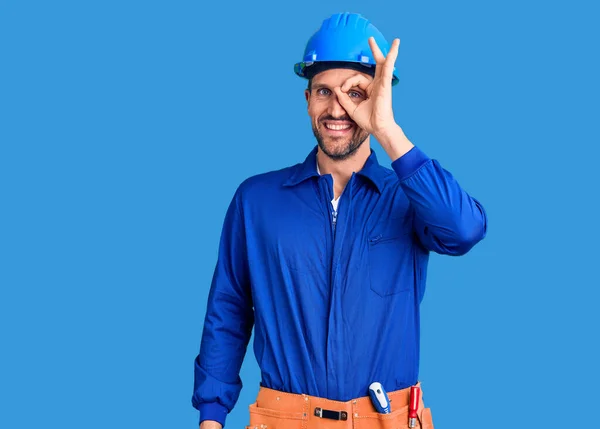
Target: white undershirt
[{"x": 335, "y": 201}]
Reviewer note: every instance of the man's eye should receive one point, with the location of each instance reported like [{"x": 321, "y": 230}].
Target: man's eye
[
  {"x": 355, "y": 94},
  {"x": 323, "y": 91}
]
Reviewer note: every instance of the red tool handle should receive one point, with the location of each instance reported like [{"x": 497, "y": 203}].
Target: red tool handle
[{"x": 414, "y": 402}]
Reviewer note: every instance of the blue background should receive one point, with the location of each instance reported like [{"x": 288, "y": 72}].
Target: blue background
[{"x": 125, "y": 127}]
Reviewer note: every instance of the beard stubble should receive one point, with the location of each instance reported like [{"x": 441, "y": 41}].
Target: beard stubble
[{"x": 357, "y": 138}]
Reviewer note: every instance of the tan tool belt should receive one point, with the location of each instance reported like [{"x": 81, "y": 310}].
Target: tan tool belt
[{"x": 280, "y": 410}]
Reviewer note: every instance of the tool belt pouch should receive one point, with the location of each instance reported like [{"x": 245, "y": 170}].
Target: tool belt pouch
[
  {"x": 277, "y": 410},
  {"x": 397, "y": 419},
  {"x": 263, "y": 418}
]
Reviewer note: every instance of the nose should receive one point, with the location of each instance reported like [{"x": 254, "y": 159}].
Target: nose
[{"x": 335, "y": 108}]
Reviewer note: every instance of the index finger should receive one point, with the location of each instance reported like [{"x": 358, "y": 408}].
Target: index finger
[{"x": 358, "y": 81}]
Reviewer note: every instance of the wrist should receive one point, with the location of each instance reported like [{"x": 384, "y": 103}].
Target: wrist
[
  {"x": 394, "y": 142},
  {"x": 213, "y": 412},
  {"x": 210, "y": 424}
]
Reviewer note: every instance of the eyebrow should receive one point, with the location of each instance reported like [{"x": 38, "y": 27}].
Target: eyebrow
[{"x": 319, "y": 86}]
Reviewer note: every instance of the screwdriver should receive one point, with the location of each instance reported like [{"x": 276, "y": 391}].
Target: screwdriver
[
  {"x": 413, "y": 406},
  {"x": 379, "y": 398}
]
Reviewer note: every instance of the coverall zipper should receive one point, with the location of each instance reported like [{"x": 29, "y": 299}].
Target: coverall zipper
[
  {"x": 333, "y": 323},
  {"x": 334, "y": 220}
]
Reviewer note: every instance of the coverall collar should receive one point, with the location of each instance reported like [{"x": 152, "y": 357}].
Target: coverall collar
[{"x": 372, "y": 171}]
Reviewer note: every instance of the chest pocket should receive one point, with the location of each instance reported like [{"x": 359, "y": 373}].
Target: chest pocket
[{"x": 391, "y": 256}]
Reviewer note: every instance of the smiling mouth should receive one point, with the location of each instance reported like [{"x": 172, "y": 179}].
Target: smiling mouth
[{"x": 337, "y": 128}]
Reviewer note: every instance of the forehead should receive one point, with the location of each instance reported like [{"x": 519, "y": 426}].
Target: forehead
[{"x": 336, "y": 77}]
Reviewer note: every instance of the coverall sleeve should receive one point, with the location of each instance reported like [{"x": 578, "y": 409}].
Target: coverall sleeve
[
  {"x": 447, "y": 220},
  {"x": 227, "y": 325}
]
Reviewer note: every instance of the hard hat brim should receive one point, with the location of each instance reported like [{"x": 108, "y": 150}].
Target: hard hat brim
[{"x": 305, "y": 69}]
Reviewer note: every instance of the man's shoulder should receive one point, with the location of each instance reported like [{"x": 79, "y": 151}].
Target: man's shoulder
[
  {"x": 268, "y": 181},
  {"x": 386, "y": 178},
  {"x": 388, "y": 174}
]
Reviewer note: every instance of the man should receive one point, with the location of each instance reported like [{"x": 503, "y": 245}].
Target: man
[{"x": 327, "y": 258}]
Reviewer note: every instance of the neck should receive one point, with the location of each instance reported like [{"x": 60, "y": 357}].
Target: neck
[{"x": 341, "y": 171}]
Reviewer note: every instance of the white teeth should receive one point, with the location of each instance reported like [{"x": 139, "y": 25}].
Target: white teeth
[{"x": 337, "y": 127}]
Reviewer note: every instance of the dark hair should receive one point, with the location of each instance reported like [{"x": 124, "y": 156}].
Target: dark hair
[{"x": 318, "y": 67}]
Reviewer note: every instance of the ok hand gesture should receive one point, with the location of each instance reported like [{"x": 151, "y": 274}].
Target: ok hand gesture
[{"x": 374, "y": 113}]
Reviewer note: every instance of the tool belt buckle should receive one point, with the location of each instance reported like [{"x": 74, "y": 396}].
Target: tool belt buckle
[{"x": 330, "y": 414}]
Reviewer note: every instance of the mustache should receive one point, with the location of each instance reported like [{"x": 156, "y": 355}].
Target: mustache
[{"x": 331, "y": 118}]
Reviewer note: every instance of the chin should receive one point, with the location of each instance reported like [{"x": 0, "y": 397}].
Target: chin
[
  {"x": 337, "y": 149},
  {"x": 338, "y": 152}
]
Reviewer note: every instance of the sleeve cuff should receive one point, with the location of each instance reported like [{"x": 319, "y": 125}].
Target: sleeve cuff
[
  {"x": 409, "y": 163},
  {"x": 213, "y": 411}
]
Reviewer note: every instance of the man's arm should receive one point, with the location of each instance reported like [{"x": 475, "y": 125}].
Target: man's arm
[
  {"x": 227, "y": 326},
  {"x": 447, "y": 219}
]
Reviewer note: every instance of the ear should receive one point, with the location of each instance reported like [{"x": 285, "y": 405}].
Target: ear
[{"x": 307, "y": 96}]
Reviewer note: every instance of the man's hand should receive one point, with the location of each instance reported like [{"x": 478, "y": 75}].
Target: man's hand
[
  {"x": 210, "y": 424},
  {"x": 374, "y": 113}
]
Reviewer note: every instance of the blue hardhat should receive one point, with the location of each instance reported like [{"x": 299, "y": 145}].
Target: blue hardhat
[{"x": 343, "y": 38}]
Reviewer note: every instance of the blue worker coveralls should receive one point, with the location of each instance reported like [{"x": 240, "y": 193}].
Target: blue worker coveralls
[{"x": 333, "y": 297}]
